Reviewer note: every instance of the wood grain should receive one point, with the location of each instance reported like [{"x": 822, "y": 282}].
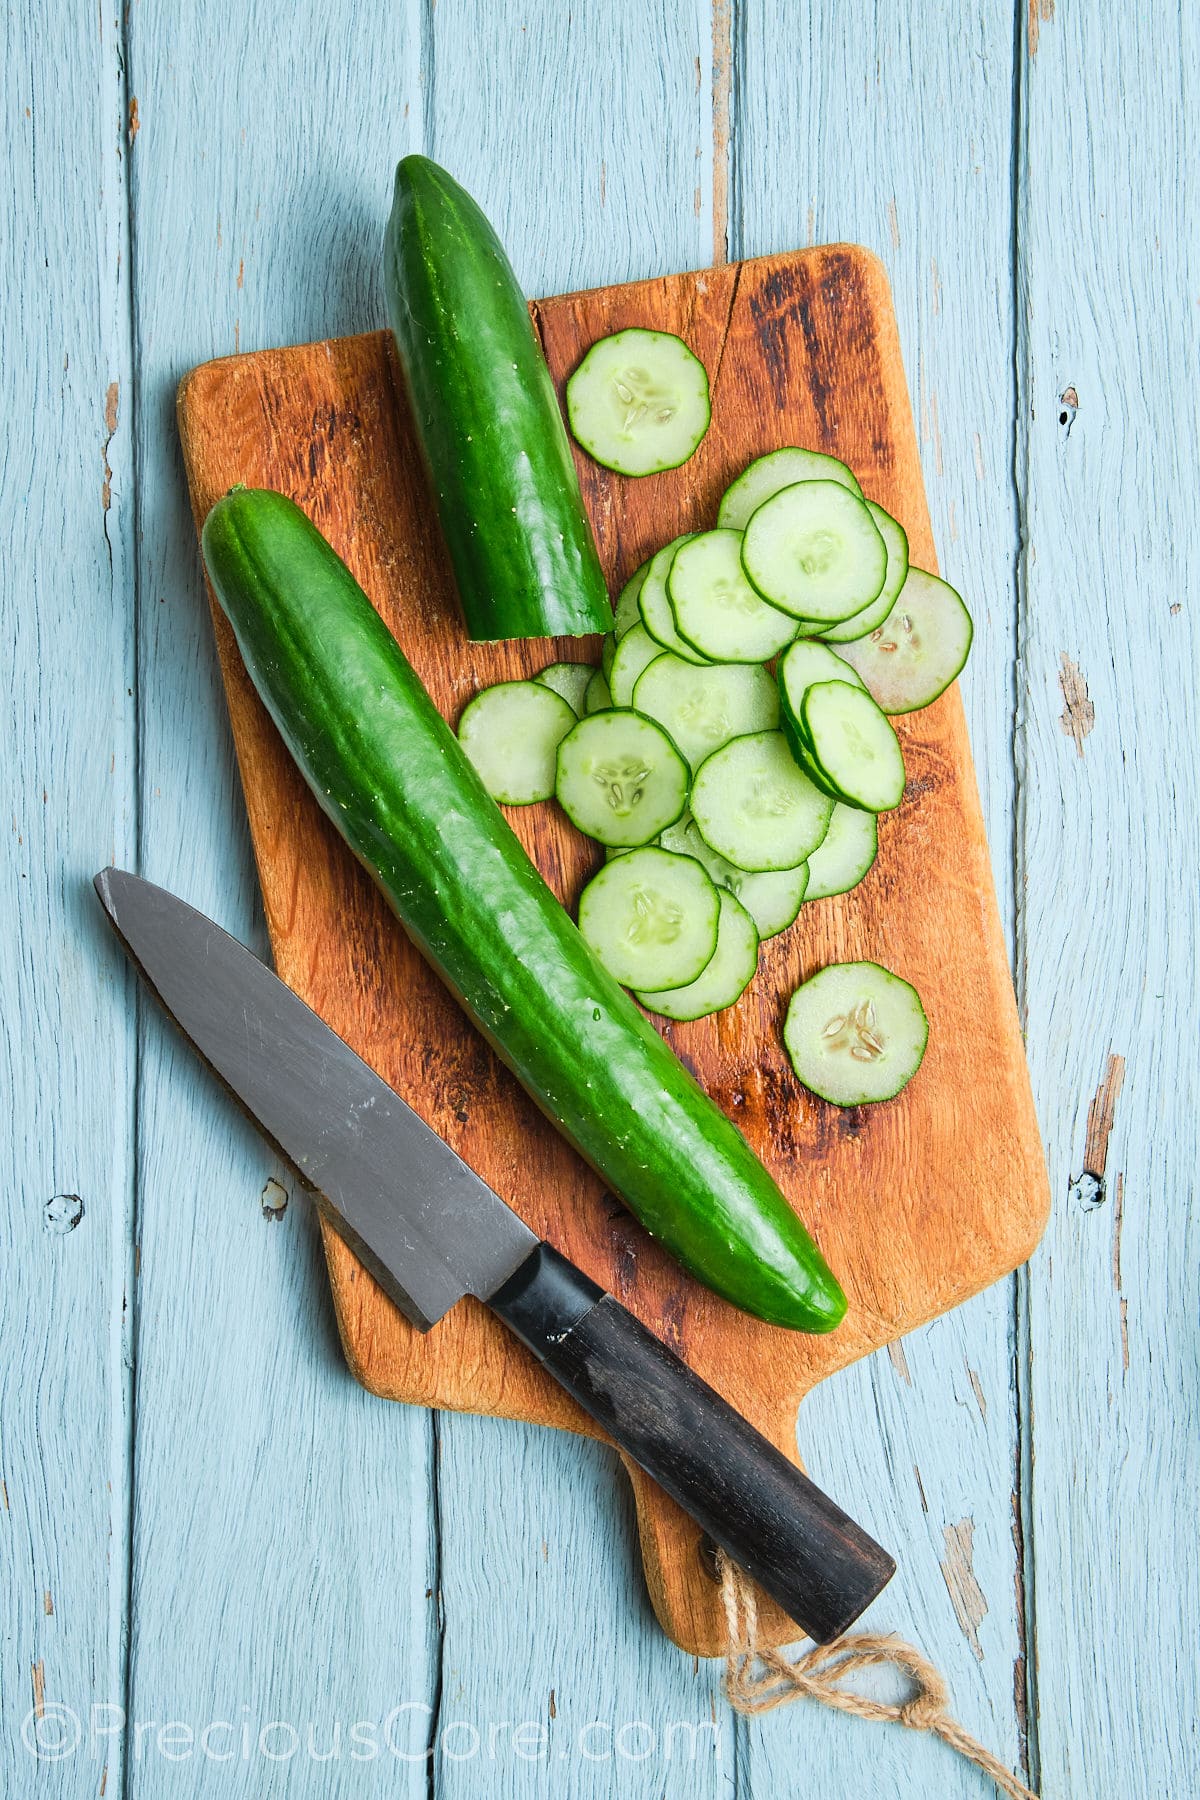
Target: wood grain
[{"x": 793, "y": 344}]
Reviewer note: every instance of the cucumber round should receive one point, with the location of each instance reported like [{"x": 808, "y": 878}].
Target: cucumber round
[
  {"x": 717, "y": 611},
  {"x": 844, "y": 854},
  {"x": 772, "y": 897},
  {"x": 702, "y": 709},
  {"x": 608, "y": 650},
  {"x": 724, "y": 978},
  {"x": 635, "y": 652},
  {"x": 920, "y": 647},
  {"x": 626, "y": 613},
  {"x": 655, "y": 605},
  {"x": 855, "y": 1033},
  {"x": 651, "y": 917},
  {"x": 853, "y": 745},
  {"x": 770, "y": 474},
  {"x": 639, "y": 402},
  {"x": 570, "y": 679},
  {"x": 805, "y": 663},
  {"x": 896, "y": 543},
  {"x": 814, "y": 550},
  {"x": 511, "y": 732},
  {"x": 755, "y": 807},
  {"x": 620, "y": 778},
  {"x": 596, "y": 696}
]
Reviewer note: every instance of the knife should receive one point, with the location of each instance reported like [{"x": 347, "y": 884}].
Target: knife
[{"x": 430, "y": 1231}]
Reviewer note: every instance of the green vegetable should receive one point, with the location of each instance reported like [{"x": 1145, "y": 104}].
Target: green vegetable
[
  {"x": 487, "y": 419},
  {"x": 390, "y": 774}
]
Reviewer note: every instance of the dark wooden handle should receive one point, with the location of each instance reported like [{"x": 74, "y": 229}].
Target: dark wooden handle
[{"x": 821, "y": 1567}]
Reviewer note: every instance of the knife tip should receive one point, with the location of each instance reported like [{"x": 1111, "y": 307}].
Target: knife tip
[{"x": 106, "y": 882}]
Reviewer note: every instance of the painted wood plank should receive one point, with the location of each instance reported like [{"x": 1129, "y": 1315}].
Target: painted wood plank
[
  {"x": 1109, "y": 347},
  {"x": 283, "y": 1564},
  {"x": 66, "y": 1041},
  {"x": 861, "y": 132},
  {"x": 587, "y": 141}
]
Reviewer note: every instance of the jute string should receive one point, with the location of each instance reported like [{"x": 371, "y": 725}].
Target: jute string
[{"x": 758, "y": 1679}]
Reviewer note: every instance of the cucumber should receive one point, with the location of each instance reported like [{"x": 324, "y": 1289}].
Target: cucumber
[
  {"x": 635, "y": 652},
  {"x": 772, "y": 897},
  {"x": 814, "y": 550},
  {"x": 487, "y": 419},
  {"x": 920, "y": 647},
  {"x": 390, "y": 774},
  {"x": 620, "y": 778},
  {"x": 638, "y": 402},
  {"x": 895, "y": 541},
  {"x": 755, "y": 807},
  {"x": 596, "y": 695},
  {"x": 769, "y": 475},
  {"x": 570, "y": 679},
  {"x": 724, "y": 978},
  {"x": 855, "y": 1033},
  {"x": 716, "y": 610},
  {"x": 626, "y": 612},
  {"x": 655, "y": 605},
  {"x": 511, "y": 732},
  {"x": 608, "y": 650},
  {"x": 701, "y": 709},
  {"x": 804, "y": 664},
  {"x": 852, "y": 745},
  {"x": 651, "y": 916},
  {"x": 844, "y": 854}
]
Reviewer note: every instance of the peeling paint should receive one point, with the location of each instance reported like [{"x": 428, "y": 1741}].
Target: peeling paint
[
  {"x": 958, "y": 1572},
  {"x": 722, "y": 82},
  {"x": 48, "y": 1604},
  {"x": 274, "y": 1199},
  {"x": 977, "y": 1390},
  {"x": 1078, "y": 715},
  {"x": 894, "y": 222},
  {"x": 135, "y": 123},
  {"x": 899, "y": 1361},
  {"x": 1088, "y": 1187},
  {"x": 111, "y": 403},
  {"x": 38, "y": 1671},
  {"x": 1040, "y": 12},
  {"x": 61, "y": 1214},
  {"x": 921, "y": 1489}
]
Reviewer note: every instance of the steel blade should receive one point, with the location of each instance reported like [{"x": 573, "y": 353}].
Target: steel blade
[{"x": 426, "y": 1225}]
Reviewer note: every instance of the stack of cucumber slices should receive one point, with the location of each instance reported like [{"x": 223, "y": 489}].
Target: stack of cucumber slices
[{"x": 734, "y": 749}]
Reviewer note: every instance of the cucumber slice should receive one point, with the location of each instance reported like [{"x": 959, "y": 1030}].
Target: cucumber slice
[
  {"x": 725, "y": 977},
  {"x": 772, "y": 898},
  {"x": 635, "y": 652},
  {"x": 814, "y": 550},
  {"x": 755, "y": 807},
  {"x": 625, "y": 613},
  {"x": 655, "y": 605},
  {"x": 853, "y": 745},
  {"x": 716, "y": 609},
  {"x": 638, "y": 402},
  {"x": 596, "y": 696},
  {"x": 651, "y": 917},
  {"x": 918, "y": 650},
  {"x": 680, "y": 837},
  {"x": 570, "y": 680},
  {"x": 855, "y": 1033},
  {"x": 895, "y": 541},
  {"x": 769, "y": 475},
  {"x": 703, "y": 708},
  {"x": 806, "y": 663},
  {"x": 511, "y": 732},
  {"x": 620, "y": 778},
  {"x": 845, "y": 853},
  {"x": 608, "y": 650}
]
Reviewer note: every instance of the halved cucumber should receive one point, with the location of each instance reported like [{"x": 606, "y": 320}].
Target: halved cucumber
[
  {"x": 814, "y": 550},
  {"x": 920, "y": 647},
  {"x": 651, "y": 917},
  {"x": 655, "y": 606},
  {"x": 853, "y": 745},
  {"x": 724, "y": 978},
  {"x": 625, "y": 613},
  {"x": 596, "y": 696},
  {"x": 511, "y": 732},
  {"x": 772, "y": 897},
  {"x": 703, "y": 708},
  {"x": 844, "y": 854},
  {"x": 635, "y": 652},
  {"x": 639, "y": 402},
  {"x": 769, "y": 474},
  {"x": 855, "y": 1033},
  {"x": 620, "y": 778},
  {"x": 570, "y": 679},
  {"x": 755, "y": 807},
  {"x": 895, "y": 541},
  {"x": 716, "y": 609}
]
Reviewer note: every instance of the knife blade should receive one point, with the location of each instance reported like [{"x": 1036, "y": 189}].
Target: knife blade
[{"x": 431, "y": 1231}]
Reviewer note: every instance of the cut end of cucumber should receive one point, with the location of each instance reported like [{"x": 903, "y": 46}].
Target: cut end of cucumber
[
  {"x": 855, "y": 1033},
  {"x": 511, "y": 732},
  {"x": 639, "y": 402}
]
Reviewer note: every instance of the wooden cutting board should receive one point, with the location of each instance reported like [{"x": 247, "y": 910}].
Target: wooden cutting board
[{"x": 918, "y": 1203}]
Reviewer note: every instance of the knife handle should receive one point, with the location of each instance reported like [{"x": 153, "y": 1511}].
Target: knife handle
[{"x": 765, "y": 1513}]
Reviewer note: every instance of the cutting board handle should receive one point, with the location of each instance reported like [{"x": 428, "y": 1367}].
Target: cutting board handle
[{"x": 765, "y": 1513}]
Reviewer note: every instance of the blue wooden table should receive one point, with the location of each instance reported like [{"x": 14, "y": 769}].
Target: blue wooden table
[{"x": 226, "y": 1570}]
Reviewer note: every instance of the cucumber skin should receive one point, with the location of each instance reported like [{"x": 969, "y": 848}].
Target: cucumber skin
[
  {"x": 488, "y": 422},
  {"x": 388, "y": 771}
]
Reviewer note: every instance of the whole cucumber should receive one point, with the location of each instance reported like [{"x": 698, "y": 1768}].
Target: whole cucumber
[
  {"x": 488, "y": 420},
  {"x": 389, "y": 772}
]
